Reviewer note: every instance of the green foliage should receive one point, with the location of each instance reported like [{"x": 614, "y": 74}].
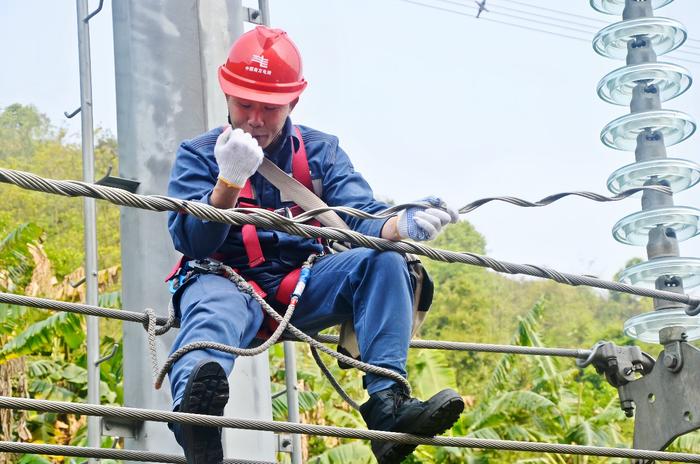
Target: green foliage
[
  {"x": 508, "y": 397},
  {"x": 40, "y": 336},
  {"x": 15, "y": 255},
  {"x": 349, "y": 453},
  {"x": 50, "y": 344},
  {"x": 430, "y": 372},
  {"x": 28, "y": 142},
  {"x": 307, "y": 401},
  {"x": 21, "y": 129}
]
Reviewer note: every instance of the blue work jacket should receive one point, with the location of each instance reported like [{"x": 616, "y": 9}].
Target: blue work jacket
[{"x": 195, "y": 173}]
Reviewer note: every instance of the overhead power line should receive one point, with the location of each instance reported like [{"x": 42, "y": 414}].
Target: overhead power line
[
  {"x": 271, "y": 220},
  {"x": 544, "y": 23},
  {"x": 483, "y": 347},
  {"x": 137, "y": 414},
  {"x": 143, "y": 318},
  {"x": 588, "y": 28},
  {"x": 566, "y": 13},
  {"x": 448, "y": 10},
  {"x": 535, "y": 29},
  {"x": 552, "y": 10}
]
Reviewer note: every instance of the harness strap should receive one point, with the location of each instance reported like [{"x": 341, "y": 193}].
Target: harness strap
[
  {"x": 287, "y": 285},
  {"x": 251, "y": 243},
  {"x": 257, "y": 288},
  {"x": 247, "y": 198},
  {"x": 300, "y": 163},
  {"x": 176, "y": 270}
]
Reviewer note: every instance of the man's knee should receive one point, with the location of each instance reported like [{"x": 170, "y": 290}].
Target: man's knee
[
  {"x": 219, "y": 309},
  {"x": 387, "y": 263}
]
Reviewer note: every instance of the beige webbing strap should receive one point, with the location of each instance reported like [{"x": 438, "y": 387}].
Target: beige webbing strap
[
  {"x": 307, "y": 201},
  {"x": 299, "y": 194}
]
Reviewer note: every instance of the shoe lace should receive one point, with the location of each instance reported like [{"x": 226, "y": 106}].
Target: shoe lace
[{"x": 400, "y": 396}]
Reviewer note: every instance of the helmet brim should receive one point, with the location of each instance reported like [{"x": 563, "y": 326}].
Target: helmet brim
[{"x": 261, "y": 96}]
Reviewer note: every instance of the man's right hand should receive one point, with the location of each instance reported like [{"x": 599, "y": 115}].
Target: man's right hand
[{"x": 238, "y": 155}]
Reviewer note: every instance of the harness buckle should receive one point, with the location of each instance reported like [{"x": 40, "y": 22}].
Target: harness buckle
[{"x": 205, "y": 266}]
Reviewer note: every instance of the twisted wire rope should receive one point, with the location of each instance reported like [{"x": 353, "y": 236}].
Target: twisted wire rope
[
  {"x": 295, "y": 226},
  {"x": 103, "y": 453},
  {"x": 484, "y": 347},
  {"x": 270, "y": 220},
  {"x": 79, "y": 308},
  {"x": 131, "y": 316},
  {"x": 331, "y": 378},
  {"x": 342, "y": 432},
  {"x": 548, "y": 200}
]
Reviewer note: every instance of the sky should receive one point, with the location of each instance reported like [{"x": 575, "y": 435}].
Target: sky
[{"x": 426, "y": 102}]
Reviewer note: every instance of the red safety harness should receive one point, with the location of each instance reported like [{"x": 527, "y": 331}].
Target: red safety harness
[{"x": 251, "y": 241}]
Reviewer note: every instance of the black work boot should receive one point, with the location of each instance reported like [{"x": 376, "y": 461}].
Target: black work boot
[
  {"x": 206, "y": 392},
  {"x": 393, "y": 410}
]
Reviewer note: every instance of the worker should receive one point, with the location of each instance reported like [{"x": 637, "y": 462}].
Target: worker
[{"x": 262, "y": 80}]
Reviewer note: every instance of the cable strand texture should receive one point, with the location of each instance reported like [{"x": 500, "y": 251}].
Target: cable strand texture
[
  {"x": 271, "y": 220},
  {"x": 307, "y": 429}
]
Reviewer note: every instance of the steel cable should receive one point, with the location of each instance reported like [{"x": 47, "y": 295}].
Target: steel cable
[
  {"x": 558, "y": 196},
  {"x": 130, "y": 316},
  {"x": 333, "y": 381},
  {"x": 528, "y": 28},
  {"x": 103, "y": 453},
  {"x": 270, "y": 220},
  {"x": 79, "y": 308},
  {"x": 342, "y": 432},
  {"x": 484, "y": 348}
]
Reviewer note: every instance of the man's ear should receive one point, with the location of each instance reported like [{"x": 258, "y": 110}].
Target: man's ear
[{"x": 293, "y": 104}]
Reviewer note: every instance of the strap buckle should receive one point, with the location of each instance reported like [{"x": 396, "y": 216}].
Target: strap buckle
[{"x": 205, "y": 266}]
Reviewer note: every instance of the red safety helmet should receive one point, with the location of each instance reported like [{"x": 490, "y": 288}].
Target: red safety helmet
[{"x": 264, "y": 66}]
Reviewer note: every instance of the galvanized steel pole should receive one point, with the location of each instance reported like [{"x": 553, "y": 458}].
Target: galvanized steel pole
[
  {"x": 89, "y": 217},
  {"x": 290, "y": 362},
  {"x": 264, "y": 7},
  {"x": 290, "y": 376}
]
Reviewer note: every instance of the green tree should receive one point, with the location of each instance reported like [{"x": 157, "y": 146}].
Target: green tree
[
  {"x": 28, "y": 142},
  {"x": 42, "y": 353}
]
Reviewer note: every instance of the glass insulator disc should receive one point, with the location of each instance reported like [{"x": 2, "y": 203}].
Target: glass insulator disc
[
  {"x": 680, "y": 175},
  {"x": 665, "y": 35},
  {"x": 671, "y": 80},
  {"x": 621, "y": 133},
  {"x": 647, "y": 272},
  {"x": 634, "y": 229},
  {"x": 646, "y": 327},
  {"x": 615, "y": 7}
]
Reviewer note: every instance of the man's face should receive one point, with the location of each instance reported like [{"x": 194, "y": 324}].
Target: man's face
[{"x": 261, "y": 120}]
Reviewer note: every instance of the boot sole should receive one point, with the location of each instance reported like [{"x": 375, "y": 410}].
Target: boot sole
[
  {"x": 206, "y": 392},
  {"x": 434, "y": 421}
]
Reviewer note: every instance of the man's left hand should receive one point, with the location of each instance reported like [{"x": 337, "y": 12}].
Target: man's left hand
[{"x": 425, "y": 223}]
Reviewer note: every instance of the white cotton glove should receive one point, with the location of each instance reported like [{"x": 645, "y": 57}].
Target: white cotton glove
[
  {"x": 425, "y": 223},
  {"x": 238, "y": 155}
]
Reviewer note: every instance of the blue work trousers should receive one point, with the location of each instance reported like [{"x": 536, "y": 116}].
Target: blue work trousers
[{"x": 371, "y": 288}]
